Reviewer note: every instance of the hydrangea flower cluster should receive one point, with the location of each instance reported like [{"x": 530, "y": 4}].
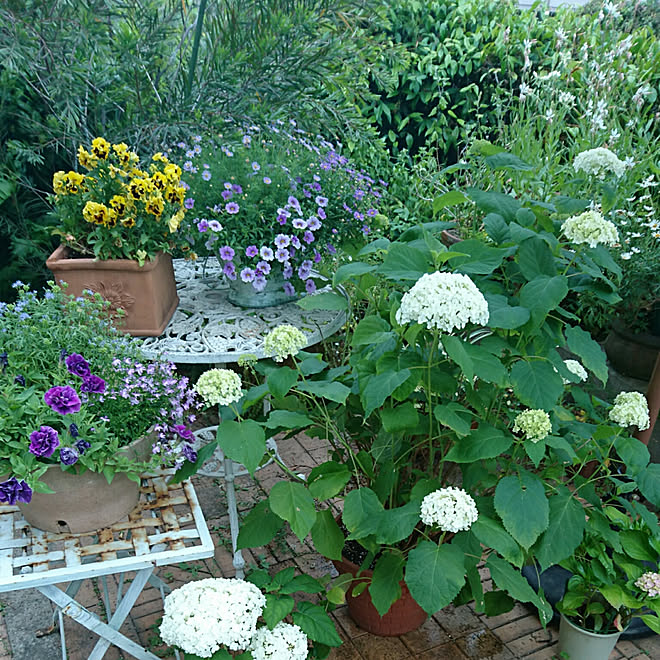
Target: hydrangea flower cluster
[
  {"x": 446, "y": 301},
  {"x": 534, "y": 424},
  {"x": 451, "y": 509},
  {"x": 598, "y": 162},
  {"x": 219, "y": 387},
  {"x": 283, "y": 341},
  {"x": 591, "y": 228},
  {"x": 200, "y": 617},
  {"x": 575, "y": 368},
  {"x": 274, "y": 200},
  {"x": 650, "y": 583},
  {"x": 283, "y": 641},
  {"x": 630, "y": 409}
]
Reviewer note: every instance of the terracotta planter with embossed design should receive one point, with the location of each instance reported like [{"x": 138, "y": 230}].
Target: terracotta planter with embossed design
[{"x": 147, "y": 294}]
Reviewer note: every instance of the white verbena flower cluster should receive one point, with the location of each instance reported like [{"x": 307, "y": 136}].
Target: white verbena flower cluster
[
  {"x": 599, "y": 162},
  {"x": 631, "y": 409},
  {"x": 283, "y": 341},
  {"x": 451, "y": 509},
  {"x": 649, "y": 582},
  {"x": 283, "y": 641},
  {"x": 534, "y": 424},
  {"x": 575, "y": 368},
  {"x": 590, "y": 227},
  {"x": 202, "y": 616},
  {"x": 445, "y": 301},
  {"x": 219, "y": 386}
]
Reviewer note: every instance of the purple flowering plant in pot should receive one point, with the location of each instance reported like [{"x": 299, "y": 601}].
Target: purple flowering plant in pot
[
  {"x": 273, "y": 204},
  {"x": 77, "y": 394}
]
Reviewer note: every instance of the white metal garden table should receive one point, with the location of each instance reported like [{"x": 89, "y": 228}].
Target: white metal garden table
[
  {"x": 207, "y": 329},
  {"x": 167, "y": 527}
]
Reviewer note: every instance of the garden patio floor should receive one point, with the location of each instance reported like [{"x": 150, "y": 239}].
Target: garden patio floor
[{"x": 452, "y": 633}]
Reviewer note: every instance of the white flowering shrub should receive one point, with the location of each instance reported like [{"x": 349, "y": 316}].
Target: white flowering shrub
[
  {"x": 219, "y": 387},
  {"x": 283, "y": 341},
  {"x": 598, "y": 162},
  {"x": 443, "y": 301},
  {"x": 200, "y": 617},
  {"x": 591, "y": 228},
  {"x": 451, "y": 509},
  {"x": 630, "y": 409},
  {"x": 534, "y": 424},
  {"x": 283, "y": 641}
]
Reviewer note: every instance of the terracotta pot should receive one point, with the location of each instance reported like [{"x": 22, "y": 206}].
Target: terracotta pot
[
  {"x": 84, "y": 503},
  {"x": 631, "y": 354},
  {"x": 146, "y": 293},
  {"x": 404, "y": 616}
]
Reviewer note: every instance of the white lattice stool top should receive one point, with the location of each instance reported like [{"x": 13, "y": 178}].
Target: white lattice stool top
[
  {"x": 207, "y": 328},
  {"x": 166, "y": 527}
]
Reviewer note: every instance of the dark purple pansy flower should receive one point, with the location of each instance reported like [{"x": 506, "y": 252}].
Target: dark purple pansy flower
[
  {"x": 73, "y": 430},
  {"x": 68, "y": 456},
  {"x": 93, "y": 384},
  {"x": 189, "y": 453},
  {"x": 12, "y": 491},
  {"x": 82, "y": 445},
  {"x": 44, "y": 441},
  {"x": 20, "y": 380},
  {"x": 63, "y": 399},
  {"x": 77, "y": 365},
  {"x": 183, "y": 432},
  {"x": 4, "y": 362}
]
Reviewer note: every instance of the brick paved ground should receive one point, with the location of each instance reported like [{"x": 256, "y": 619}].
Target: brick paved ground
[{"x": 452, "y": 633}]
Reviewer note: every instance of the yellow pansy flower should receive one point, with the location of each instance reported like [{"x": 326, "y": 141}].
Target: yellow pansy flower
[
  {"x": 87, "y": 160},
  {"x": 58, "y": 183},
  {"x": 159, "y": 180},
  {"x": 174, "y": 195},
  {"x": 100, "y": 147},
  {"x": 138, "y": 188},
  {"x": 97, "y": 213},
  {"x": 128, "y": 222},
  {"x": 73, "y": 182},
  {"x": 159, "y": 157},
  {"x": 172, "y": 172},
  {"x": 120, "y": 204},
  {"x": 155, "y": 205},
  {"x": 175, "y": 221}
]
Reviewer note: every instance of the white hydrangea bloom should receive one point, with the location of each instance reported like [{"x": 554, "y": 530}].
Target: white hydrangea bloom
[
  {"x": 649, "y": 582},
  {"x": 590, "y": 227},
  {"x": 575, "y": 368},
  {"x": 203, "y": 616},
  {"x": 283, "y": 641},
  {"x": 451, "y": 509},
  {"x": 283, "y": 341},
  {"x": 631, "y": 409},
  {"x": 599, "y": 162},
  {"x": 445, "y": 301},
  {"x": 534, "y": 424},
  {"x": 219, "y": 386}
]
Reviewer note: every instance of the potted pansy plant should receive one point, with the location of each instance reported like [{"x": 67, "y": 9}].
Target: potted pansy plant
[
  {"x": 83, "y": 412},
  {"x": 272, "y": 204}
]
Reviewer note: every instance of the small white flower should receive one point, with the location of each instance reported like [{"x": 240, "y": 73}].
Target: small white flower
[
  {"x": 451, "y": 509},
  {"x": 576, "y": 368},
  {"x": 534, "y": 423},
  {"x": 284, "y": 642},
  {"x": 599, "y": 161},
  {"x": 283, "y": 341},
  {"x": 219, "y": 387},
  {"x": 590, "y": 227},
  {"x": 631, "y": 409},
  {"x": 445, "y": 301}
]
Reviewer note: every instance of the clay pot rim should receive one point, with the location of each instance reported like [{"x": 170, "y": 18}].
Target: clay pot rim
[
  {"x": 644, "y": 338},
  {"x": 61, "y": 258}
]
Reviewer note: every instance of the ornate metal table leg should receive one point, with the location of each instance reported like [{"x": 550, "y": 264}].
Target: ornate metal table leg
[{"x": 238, "y": 562}]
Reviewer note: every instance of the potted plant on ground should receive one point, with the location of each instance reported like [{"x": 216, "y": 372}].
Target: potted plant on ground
[
  {"x": 118, "y": 225},
  {"x": 272, "y": 204},
  {"x": 83, "y": 413}
]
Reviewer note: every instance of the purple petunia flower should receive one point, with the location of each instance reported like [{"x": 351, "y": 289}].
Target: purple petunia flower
[
  {"x": 183, "y": 432},
  {"x": 321, "y": 213},
  {"x": 251, "y": 251},
  {"x": 77, "y": 365},
  {"x": 316, "y": 187},
  {"x": 267, "y": 180},
  {"x": 189, "y": 453},
  {"x": 247, "y": 275},
  {"x": 308, "y": 237},
  {"x": 93, "y": 384},
  {"x": 317, "y": 256},
  {"x": 203, "y": 225},
  {"x": 226, "y": 194},
  {"x": 331, "y": 248},
  {"x": 293, "y": 202},
  {"x": 287, "y": 271},
  {"x": 284, "y": 212},
  {"x": 266, "y": 253},
  {"x": 313, "y": 223},
  {"x": 12, "y": 491},
  {"x": 63, "y": 399},
  {"x": 82, "y": 445},
  {"x": 321, "y": 201},
  {"x": 232, "y": 208},
  {"x": 226, "y": 253},
  {"x": 68, "y": 456},
  {"x": 288, "y": 289},
  {"x": 236, "y": 188},
  {"x": 310, "y": 286},
  {"x": 282, "y": 241},
  {"x": 19, "y": 379},
  {"x": 214, "y": 225},
  {"x": 295, "y": 241},
  {"x": 44, "y": 441},
  {"x": 282, "y": 255},
  {"x": 299, "y": 223},
  {"x": 189, "y": 202},
  {"x": 259, "y": 283},
  {"x": 229, "y": 270}
]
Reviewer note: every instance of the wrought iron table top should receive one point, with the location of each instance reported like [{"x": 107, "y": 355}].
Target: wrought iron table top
[{"x": 206, "y": 328}]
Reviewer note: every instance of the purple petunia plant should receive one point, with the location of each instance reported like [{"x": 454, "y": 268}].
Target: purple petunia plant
[
  {"x": 268, "y": 200},
  {"x": 74, "y": 391}
]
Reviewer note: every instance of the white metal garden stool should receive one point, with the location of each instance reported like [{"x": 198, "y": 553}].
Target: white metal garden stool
[{"x": 167, "y": 527}]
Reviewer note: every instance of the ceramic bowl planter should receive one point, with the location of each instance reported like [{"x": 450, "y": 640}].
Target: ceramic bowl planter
[
  {"x": 404, "y": 616},
  {"x": 579, "y": 644},
  {"x": 84, "y": 503},
  {"x": 146, "y": 293},
  {"x": 243, "y": 294}
]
